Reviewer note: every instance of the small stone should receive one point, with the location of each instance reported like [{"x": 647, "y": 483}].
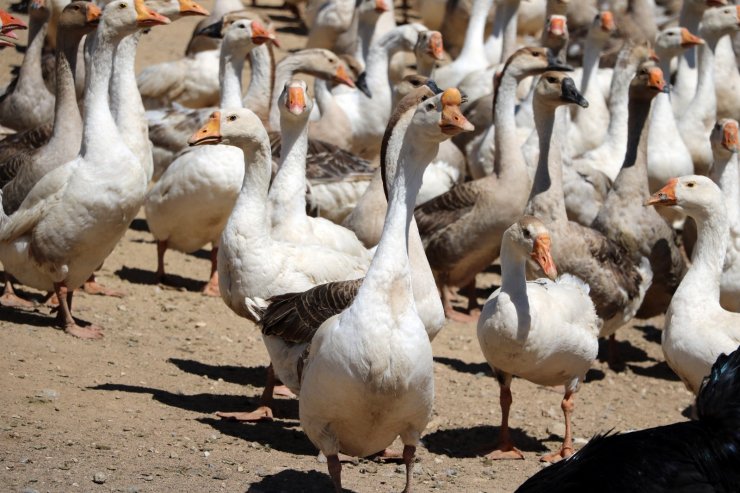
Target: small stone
[
  {"x": 239, "y": 469},
  {"x": 580, "y": 441},
  {"x": 438, "y": 460},
  {"x": 400, "y": 469},
  {"x": 200, "y": 325},
  {"x": 122, "y": 308},
  {"x": 100, "y": 478},
  {"x": 221, "y": 476},
  {"x": 29, "y": 490},
  {"x": 206, "y": 453},
  {"x": 173, "y": 455},
  {"x": 132, "y": 489},
  {"x": 451, "y": 472}
]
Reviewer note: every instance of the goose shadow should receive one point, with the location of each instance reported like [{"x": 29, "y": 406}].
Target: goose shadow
[
  {"x": 650, "y": 333},
  {"x": 27, "y": 317},
  {"x": 462, "y": 443},
  {"x": 659, "y": 370},
  {"x": 139, "y": 225},
  {"x": 242, "y": 375},
  {"x": 463, "y": 367},
  {"x": 297, "y": 30},
  {"x": 294, "y": 482},
  {"x": 134, "y": 275},
  {"x": 285, "y": 436},
  {"x": 626, "y": 351}
]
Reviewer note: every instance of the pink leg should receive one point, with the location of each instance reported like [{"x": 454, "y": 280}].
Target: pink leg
[
  {"x": 408, "y": 459},
  {"x": 505, "y": 448},
  {"x": 470, "y": 292},
  {"x": 92, "y": 286},
  {"x": 566, "y": 450},
  {"x": 450, "y": 312},
  {"x": 211, "y": 288},
  {"x": 64, "y": 316},
  {"x": 264, "y": 411},
  {"x": 11, "y": 300},
  {"x": 335, "y": 471}
]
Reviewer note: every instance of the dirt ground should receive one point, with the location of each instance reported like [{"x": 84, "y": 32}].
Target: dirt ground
[{"x": 135, "y": 411}]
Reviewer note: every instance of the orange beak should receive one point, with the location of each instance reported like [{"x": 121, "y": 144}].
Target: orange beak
[
  {"x": 655, "y": 79},
  {"x": 557, "y": 26},
  {"x": 260, "y": 35},
  {"x": 296, "y": 100},
  {"x": 541, "y": 254},
  {"x": 607, "y": 22},
  {"x": 210, "y": 133},
  {"x": 688, "y": 39},
  {"x": 730, "y": 137},
  {"x": 380, "y": 6},
  {"x": 453, "y": 122},
  {"x": 664, "y": 196},
  {"x": 436, "y": 45},
  {"x": 189, "y": 7},
  {"x": 4, "y": 44},
  {"x": 9, "y": 35},
  {"x": 738, "y": 14},
  {"x": 342, "y": 77},
  {"x": 146, "y": 17},
  {"x": 11, "y": 22},
  {"x": 93, "y": 14}
]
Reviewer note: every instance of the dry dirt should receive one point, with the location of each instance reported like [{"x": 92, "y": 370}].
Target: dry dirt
[{"x": 135, "y": 411}]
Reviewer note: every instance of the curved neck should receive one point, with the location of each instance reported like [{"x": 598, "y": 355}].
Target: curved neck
[
  {"x": 230, "y": 66},
  {"x": 703, "y": 106},
  {"x": 726, "y": 175},
  {"x": 546, "y": 200},
  {"x": 616, "y": 132},
  {"x": 591, "y": 57},
  {"x": 633, "y": 176},
  {"x": 690, "y": 17},
  {"x": 513, "y": 265},
  {"x": 503, "y": 32},
  {"x": 30, "y": 74},
  {"x": 261, "y": 80},
  {"x": 665, "y": 62},
  {"x": 251, "y": 203},
  {"x": 473, "y": 47},
  {"x": 288, "y": 190},
  {"x": 507, "y": 154},
  {"x": 67, "y": 120},
  {"x": 365, "y": 32}
]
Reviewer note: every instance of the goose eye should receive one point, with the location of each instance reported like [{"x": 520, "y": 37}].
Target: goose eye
[
  {"x": 122, "y": 5},
  {"x": 430, "y": 106},
  {"x": 537, "y": 54},
  {"x": 527, "y": 234},
  {"x": 231, "y": 118},
  {"x": 551, "y": 80},
  {"x": 690, "y": 184}
]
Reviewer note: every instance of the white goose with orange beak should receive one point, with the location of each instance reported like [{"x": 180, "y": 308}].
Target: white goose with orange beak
[{"x": 697, "y": 328}]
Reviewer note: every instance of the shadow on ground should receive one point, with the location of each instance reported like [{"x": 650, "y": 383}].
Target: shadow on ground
[
  {"x": 291, "y": 481},
  {"x": 242, "y": 375},
  {"x": 476, "y": 441}
]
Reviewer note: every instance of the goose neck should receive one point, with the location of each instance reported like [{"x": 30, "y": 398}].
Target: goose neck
[
  {"x": 67, "y": 120},
  {"x": 513, "y": 265},
  {"x": 702, "y": 280},
  {"x": 507, "y": 155},
  {"x": 703, "y": 106},
  {"x": 251, "y": 204},
  {"x": 726, "y": 175},
  {"x": 633, "y": 175},
  {"x": 261, "y": 80},
  {"x": 690, "y": 18},
  {"x": 546, "y": 200},
  {"x": 504, "y": 27},
  {"x": 30, "y": 74},
  {"x": 591, "y": 57},
  {"x": 616, "y": 131},
  {"x": 231, "y": 64},
  {"x": 473, "y": 46},
  {"x": 288, "y": 190}
]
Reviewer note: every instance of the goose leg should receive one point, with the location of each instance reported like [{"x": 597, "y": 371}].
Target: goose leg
[
  {"x": 211, "y": 288},
  {"x": 159, "y": 276},
  {"x": 264, "y": 411},
  {"x": 470, "y": 292},
  {"x": 505, "y": 448},
  {"x": 64, "y": 315},
  {"x": 409, "y": 451},
  {"x": 92, "y": 286},
  {"x": 335, "y": 471},
  {"x": 566, "y": 450},
  {"x": 450, "y": 312},
  {"x": 11, "y": 300}
]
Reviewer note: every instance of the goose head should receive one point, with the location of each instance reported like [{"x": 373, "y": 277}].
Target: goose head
[
  {"x": 556, "y": 32},
  {"x": 720, "y": 21},
  {"x": 532, "y": 60},
  {"x": 79, "y": 16},
  {"x": 39, "y": 10},
  {"x": 231, "y": 126},
  {"x": 697, "y": 195},
  {"x": 556, "y": 89},
  {"x": 529, "y": 238},
  {"x": 724, "y": 137},
  {"x": 244, "y": 34},
  {"x": 326, "y": 65},
  {"x": 370, "y": 10},
  {"x": 438, "y": 118},
  {"x": 672, "y": 41},
  {"x": 430, "y": 46},
  {"x": 647, "y": 83},
  {"x": 126, "y": 16},
  {"x": 175, "y": 9},
  {"x": 295, "y": 103},
  {"x": 219, "y": 29},
  {"x": 602, "y": 27},
  {"x": 9, "y": 23}
]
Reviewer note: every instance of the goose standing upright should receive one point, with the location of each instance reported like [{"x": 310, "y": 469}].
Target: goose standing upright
[
  {"x": 368, "y": 377},
  {"x": 697, "y": 328},
  {"x": 75, "y": 215}
]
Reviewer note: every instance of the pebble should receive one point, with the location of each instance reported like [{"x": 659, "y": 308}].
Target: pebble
[
  {"x": 100, "y": 478},
  {"x": 29, "y": 490}
]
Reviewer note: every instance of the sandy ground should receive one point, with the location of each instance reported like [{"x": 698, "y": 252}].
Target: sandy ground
[{"x": 135, "y": 411}]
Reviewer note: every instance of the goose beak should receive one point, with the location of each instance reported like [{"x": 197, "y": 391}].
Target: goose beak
[
  {"x": 188, "y": 7},
  {"x": 361, "y": 84},
  {"x": 260, "y": 35},
  {"x": 688, "y": 40},
  {"x": 380, "y": 6},
  {"x": 607, "y": 22},
  {"x": 541, "y": 254},
  {"x": 9, "y": 35},
  {"x": 436, "y": 46},
  {"x": 296, "y": 100},
  {"x": 655, "y": 79},
  {"x": 453, "y": 122},
  {"x": 664, "y": 196},
  {"x": 570, "y": 93},
  {"x": 557, "y": 26},
  {"x": 730, "y": 137},
  {"x": 93, "y": 14},
  {"x": 146, "y": 17},
  {"x": 342, "y": 77},
  {"x": 212, "y": 31},
  {"x": 210, "y": 133},
  {"x": 4, "y": 44},
  {"x": 10, "y": 22},
  {"x": 554, "y": 64}
]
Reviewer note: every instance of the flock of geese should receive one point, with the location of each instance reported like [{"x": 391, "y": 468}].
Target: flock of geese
[{"x": 342, "y": 222}]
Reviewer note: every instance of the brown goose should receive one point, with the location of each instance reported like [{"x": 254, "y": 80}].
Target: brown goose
[
  {"x": 640, "y": 230},
  {"x": 617, "y": 284}
]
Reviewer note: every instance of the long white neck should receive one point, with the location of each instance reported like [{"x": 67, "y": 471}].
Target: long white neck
[
  {"x": 632, "y": 179},
  {"x": 377, "y": 79},
  {"x": 67, "y": 120},
  {"x": 324, "y": 96},
  {"x": 501, "y": 43},
  {"x": 725, "y": 174},
  {"x": 513, "y": 272},
  {"x": 261, "y": 79},
  {"x": 507, "y": 153},
  {"x": 100, "y": 136},
  {"x": 365, "y": 32},
  {"x": 251, "y": 206},
  {"x": 546, "y": 200},
  {"x": 690, "y": 18},
  {"x": 230, "y": 66},
  {"x": 591, "y": 58},
  {"x": 704, "y": 104},
  {"x": 616, "y": 132},
  {"x": 30, "y": 74},
  {"x": 288, "y": 190},
  {"x": 473, "y": 47}
]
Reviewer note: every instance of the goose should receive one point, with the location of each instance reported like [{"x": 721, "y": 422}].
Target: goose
[
  {"x": 328, "y": 20},
  {"x": 252, "y": 265},
  {"x": 462, "y": 228},
  {"x": 725, "y": 146},
  {"x": 8, "y": 24},
  {"x": 63, "y": 231},
  {"x": 697, "y": 328},
  {"x": 501, "y": 43},
  {"x": 667, "y": 155},
  {"x": 726, "y": 71},
  {"x": 28, "y": 103},
  {"x": 190, "y": 203},
  {"x": 368, "y": 376},
  {"x": 641, "y": 231},
  {"x": 697, "y": 121},
  {"x": 26, "y": 168},
  {"x": 617, "y": 284},
  {"x": 222, "y": 9},
  {"x": 545, "y": 331},
  {"x": 287, "y": 193}
]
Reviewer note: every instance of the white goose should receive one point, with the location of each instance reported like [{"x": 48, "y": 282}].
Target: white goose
[
  {"x": 189, "y": 205},
  {"x": 697, "y": 328},
  {"x": 76, "y": 214},
  {"x": 368, "y": 377},
  {"x": 544, "y": 331}
]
